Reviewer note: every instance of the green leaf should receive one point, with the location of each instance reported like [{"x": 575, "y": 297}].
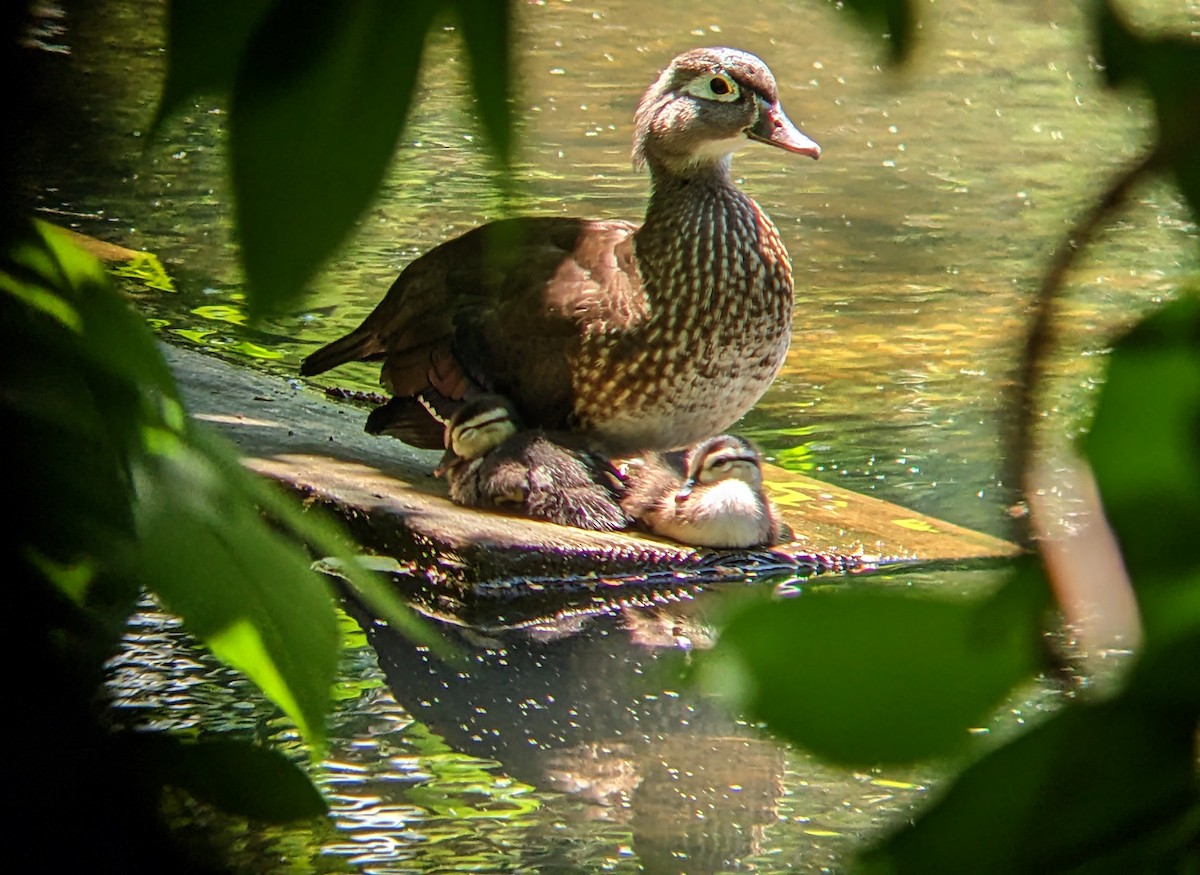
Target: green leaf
[
  {"x": 206, "y": 42},
  {"x": 1168, "y": 68},
  {"x": 237, "y": 777},
  {"x": 1106, "y": 784},
  {"x": 238, "y": 585},
  {"x": 114, "y": 338},
  {"x": 76, "y": 366},
  {"x": 317, "y": 109},
  {"x": 893, "y": 20},
  {"x": 327, "y": 538},
  {"x": 1144, "y": 443},
  {"x": 879, "y": 676},
  {"x": 363, "y": 575},
  {"x": 485, "y": 27},
  {"x": 1171, "y": 616}
]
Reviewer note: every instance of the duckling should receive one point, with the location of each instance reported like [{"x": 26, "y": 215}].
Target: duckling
[
  {"x": 710, "y": 495},
  {"x": 491, "y": 462}
]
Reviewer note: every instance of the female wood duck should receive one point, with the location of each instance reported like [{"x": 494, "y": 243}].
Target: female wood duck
[
  {"x": 640, "y": 337},
  {"x": 710, "y": 495},
  {"x": 491, "y": 462}
]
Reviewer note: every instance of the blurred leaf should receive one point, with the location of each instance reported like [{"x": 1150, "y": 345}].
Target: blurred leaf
[
  {"x": 114, "y": 337},
  {"x": 1107, "y": 784},
  {"x": 328, "y": 539},
  {"x": 72, "y": 358},
  {"x": 1144, "y": 444},
  {"x": 364, "y": 577},
  {"x": 1168, "y": 68},
  {"x": 867, "y": 677},
  {"x": 236, "y": 776},
  {"x": 485, "y": 29},
  {"x": 206, "y": 41},
  {"x": 894, "y": 19},
  {"x": 237, "y": 584},
  {"x": 317, "y": 109},
  {"x": 1157, "y": 674}
]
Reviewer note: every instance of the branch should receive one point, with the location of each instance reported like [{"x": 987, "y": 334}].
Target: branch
[{"x": 1042, "y": 336}]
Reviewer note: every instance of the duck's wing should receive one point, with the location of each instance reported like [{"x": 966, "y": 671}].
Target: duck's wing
[
  {"x": 408, "y": 419},
  {"x": 565, "y": 279},
  {"x": 502, "y": 309}
]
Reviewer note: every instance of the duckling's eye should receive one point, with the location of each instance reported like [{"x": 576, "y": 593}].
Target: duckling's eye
[{"x": 717, "y": 86}]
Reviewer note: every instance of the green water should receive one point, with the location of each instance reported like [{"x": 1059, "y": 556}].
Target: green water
[{"x": 917, "y": 241}]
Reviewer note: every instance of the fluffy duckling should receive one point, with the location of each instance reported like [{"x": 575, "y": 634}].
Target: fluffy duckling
[
  {"x": 491, "y": 462},
  {"x": 710, "y": 495}
]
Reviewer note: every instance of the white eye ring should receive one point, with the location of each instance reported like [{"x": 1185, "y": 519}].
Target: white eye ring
[{"x": 708, "y": 87}]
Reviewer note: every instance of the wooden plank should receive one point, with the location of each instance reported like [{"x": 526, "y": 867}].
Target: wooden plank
[
  {"x": 833, "y": 519},
  {"x": 385, "y": 492}
]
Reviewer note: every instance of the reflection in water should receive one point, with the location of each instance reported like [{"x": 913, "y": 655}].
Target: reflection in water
[
  {"x": 592, "y": 707},
  {"x": 646, "y": 774},
  {"x": 565, "y": 745}
]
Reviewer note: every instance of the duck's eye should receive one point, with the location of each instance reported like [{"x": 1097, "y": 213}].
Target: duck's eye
[{"x": 716, "y": 86}]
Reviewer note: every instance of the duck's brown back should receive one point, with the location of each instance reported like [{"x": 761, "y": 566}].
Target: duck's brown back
[{"x": 502, "y": 308}]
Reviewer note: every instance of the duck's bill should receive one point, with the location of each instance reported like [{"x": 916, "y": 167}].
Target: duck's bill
[{"x": 775, "y": 129}]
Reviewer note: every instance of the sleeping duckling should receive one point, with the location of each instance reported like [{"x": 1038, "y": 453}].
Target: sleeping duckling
[
  {"x": 491, "y": 462},
  {"x": 710, "y": 495}
]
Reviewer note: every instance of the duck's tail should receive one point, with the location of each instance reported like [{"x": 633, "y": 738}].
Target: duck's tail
[
  {"x": 354, "y": 347},
  {"x": 409, "y": 420}
]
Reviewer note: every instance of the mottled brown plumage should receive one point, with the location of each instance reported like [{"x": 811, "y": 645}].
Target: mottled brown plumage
[
  {"x": 710, "y": 495},
  {"x": 642, "y": 338},
  {"x": 492, "y": 462}
]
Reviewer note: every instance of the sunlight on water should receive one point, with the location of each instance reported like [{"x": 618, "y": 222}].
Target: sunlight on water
[{"x": 562, "y": 749}]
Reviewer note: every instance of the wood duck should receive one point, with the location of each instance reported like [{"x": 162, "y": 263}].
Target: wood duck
[
  {"x": 710, "y": 495},
  {"x": 491, "y": 462},
  {"x": 650, "y": 337}
]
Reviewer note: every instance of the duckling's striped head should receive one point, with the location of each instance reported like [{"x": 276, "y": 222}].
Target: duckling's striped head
[
  {"x": 725, "y": 457},
  {"x": 477, "y": 428}
]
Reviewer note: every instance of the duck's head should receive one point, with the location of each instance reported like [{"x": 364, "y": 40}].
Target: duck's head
[
  {"x": 725, "y": 457},
  {"x": 477, "y": 428},
  {"x": 708, "y": 103}
]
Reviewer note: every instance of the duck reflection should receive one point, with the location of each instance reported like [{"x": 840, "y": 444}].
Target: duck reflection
[{"x": 586, "y": 703}]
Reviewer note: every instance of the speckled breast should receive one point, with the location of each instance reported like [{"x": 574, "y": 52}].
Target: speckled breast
[{"x": 719, "y": 286}]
